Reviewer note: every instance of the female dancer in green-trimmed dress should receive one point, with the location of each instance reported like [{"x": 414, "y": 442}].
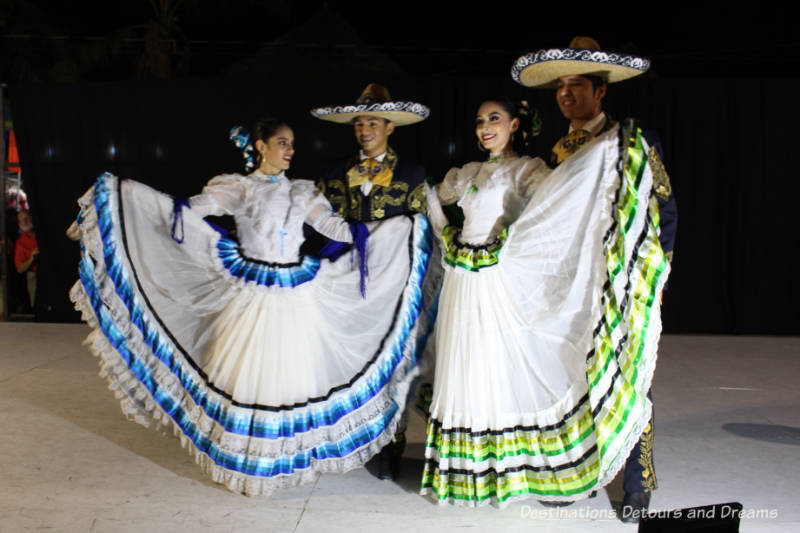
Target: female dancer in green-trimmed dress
[{"x": 548, "y": 318}]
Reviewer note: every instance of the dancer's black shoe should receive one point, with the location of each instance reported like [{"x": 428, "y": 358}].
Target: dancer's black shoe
[
  {"x": 390, "y": 456},
  {"x": 635, "y": 506}
]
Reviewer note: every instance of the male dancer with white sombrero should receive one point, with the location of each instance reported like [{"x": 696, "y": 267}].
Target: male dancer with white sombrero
[
  {"x": 375, "y": 184},
  {"x": 581, "y": 74}
]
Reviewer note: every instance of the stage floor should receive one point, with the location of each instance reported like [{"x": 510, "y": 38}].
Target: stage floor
[{"x": 727, "y": 429}]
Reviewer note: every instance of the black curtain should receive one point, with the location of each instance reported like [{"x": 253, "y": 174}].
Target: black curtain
[{"x": 723, "y": 141}]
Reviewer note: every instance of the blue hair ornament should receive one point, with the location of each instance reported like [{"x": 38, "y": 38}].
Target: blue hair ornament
[{"x": 241, "y": 138}]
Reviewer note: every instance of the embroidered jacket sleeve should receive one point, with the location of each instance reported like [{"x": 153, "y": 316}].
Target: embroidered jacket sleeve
[
  {"x": 667, "y": 206},
  {"x": 333, "y": 186},
  {"x": 416, "y": 201},
  {"x": 221, "y": 196}
]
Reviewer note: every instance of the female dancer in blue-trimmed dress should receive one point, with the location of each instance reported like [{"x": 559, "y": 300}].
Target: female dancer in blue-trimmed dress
[{"x": 271, "y": 367}]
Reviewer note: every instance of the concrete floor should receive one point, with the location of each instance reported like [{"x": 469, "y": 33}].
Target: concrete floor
[{"x": 727, "y": 429}]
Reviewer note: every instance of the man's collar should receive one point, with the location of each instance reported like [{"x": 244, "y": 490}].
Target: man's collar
[
  {"x": 595, "y": 125},
  {"x": 362, "y": 156},
  {"x": 389, "y": 157}
]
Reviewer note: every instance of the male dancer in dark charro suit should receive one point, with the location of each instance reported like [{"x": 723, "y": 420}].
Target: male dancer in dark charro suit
[
  {"x": 375, "y": 184},
  {"x": 581, "y": 79}
]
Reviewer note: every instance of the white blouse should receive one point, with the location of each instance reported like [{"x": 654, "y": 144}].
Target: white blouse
[
  {"x": 492, "y": 195},
  {"x": 269, "y": 212}
]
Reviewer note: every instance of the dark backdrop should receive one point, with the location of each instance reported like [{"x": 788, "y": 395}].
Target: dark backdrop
[{"x": 725, "y": 141}]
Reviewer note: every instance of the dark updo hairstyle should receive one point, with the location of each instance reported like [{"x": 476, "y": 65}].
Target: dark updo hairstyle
[
  {"x": 264, "y": 129},
  {"x": 245, "y": 139},
  {"x": 529, "y": 124}
]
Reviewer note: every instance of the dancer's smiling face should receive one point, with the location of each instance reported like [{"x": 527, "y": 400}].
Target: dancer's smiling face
[
  {"x": 578, "y": 99},
  {"x": 277, "y": 151},
  {"x": 495, "y": 128},
  {"x": 372, "y": 134}
]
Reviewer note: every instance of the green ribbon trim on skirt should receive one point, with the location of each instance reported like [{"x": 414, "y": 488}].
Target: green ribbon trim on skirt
[{"x": 470, "y": 257}]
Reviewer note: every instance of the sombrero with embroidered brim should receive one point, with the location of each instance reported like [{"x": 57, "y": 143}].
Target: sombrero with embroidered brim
[
  {"x": 583, "y": 57},
  {"x": 375, "y": 101}
]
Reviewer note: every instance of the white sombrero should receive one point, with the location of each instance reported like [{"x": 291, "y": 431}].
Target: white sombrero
[
  {"x": 583, "y": 58},
  {"x": 376, "y": 102}
]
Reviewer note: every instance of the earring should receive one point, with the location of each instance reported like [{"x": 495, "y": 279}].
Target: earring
[{"x": 480, "y": 146}]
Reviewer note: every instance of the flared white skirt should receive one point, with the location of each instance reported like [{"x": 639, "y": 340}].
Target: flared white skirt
[
  {"x": 544, "y": 356},
  {"x": 269, "y": 374}
]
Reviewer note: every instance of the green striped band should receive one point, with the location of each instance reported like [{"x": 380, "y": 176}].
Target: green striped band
[{"x": 458, "y": 254}]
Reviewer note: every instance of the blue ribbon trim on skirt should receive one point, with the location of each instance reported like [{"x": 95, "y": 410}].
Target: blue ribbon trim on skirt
[
  {"x": 263, "y": 422},
  {"x": 267, "y": 274}
]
